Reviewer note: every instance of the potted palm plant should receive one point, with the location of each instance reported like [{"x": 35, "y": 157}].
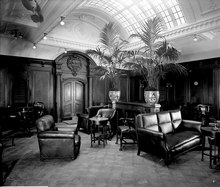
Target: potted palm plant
[
  {"x": 154, "y": 59},
  {"x": 111, "y": 54}
]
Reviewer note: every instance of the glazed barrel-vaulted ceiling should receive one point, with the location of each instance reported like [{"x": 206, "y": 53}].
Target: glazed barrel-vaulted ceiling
[{"x": 28, "y": 21}]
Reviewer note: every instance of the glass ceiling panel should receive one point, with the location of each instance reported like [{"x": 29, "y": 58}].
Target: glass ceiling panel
[{"x": 132, "y": 13}]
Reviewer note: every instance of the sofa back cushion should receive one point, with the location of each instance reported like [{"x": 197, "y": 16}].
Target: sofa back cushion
[
  {"x": 176, "y": 118},
  {"x": 150, "y": 121},
  {"x": 164, "y": 121},
  {"x": 45, "y": 123}
]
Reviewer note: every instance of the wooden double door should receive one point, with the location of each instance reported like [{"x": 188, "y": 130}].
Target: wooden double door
[{"x": 73, "y": 93}]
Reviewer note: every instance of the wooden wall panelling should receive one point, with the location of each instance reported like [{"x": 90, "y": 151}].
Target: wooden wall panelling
[
  {"x": 43, "y": 87},
  {"x": 124, "y": 88},
  {"x": 216, "y": 91},
  {"x": 2, "y": 88},
  {"x": 99, "y": 91}
]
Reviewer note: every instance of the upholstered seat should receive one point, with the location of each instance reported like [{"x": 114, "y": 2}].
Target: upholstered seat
[
  {"x": 167, "y": 134},
  {"x": 54, "y": 143}
]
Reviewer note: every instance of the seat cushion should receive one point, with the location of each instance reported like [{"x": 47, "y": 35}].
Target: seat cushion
[
  {"x": 125, "y": 128},
  {"x": 178, "y": 139}
]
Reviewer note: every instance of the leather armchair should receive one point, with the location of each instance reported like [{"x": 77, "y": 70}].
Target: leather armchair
[
  {"x": 83, "y": 118},
  {"x": 109, "y": 113},
  {"x": 54, "y": 143}
]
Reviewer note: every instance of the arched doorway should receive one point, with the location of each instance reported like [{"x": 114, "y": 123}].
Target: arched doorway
[
  {"x": 72, "y": 83},
  {"x": 73, "y": 97}
]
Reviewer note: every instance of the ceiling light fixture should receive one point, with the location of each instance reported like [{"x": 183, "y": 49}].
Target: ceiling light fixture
[
  {"x": 34, "y": 46},
  {"x": 45, "y": 36},
  {"x": 65, "y": 51},
  {"x": 16, "y": 34},
  {"x": 195, "y": 38},
  {"x": 62, "y": 22}
]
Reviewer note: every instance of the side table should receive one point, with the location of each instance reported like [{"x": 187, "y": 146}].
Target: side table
[
  {"x": 210, "y": 132},
  {"x": 98, "y": 122}
]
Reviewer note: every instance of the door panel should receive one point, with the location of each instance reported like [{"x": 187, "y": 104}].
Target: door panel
[
  {"x": 78, "y": 100},
  {"x": 73, "y": 98}
]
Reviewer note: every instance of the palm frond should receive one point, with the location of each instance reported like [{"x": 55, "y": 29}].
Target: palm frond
[
  {"x": 175, "y": 68},
  {"x": 167, "y": 52},
  {"x": 108, "y": 35}
]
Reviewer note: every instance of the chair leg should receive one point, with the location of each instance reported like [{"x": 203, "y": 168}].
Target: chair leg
[
  {"x": 121, "y": 139},
  {"x": 116, "y": 138}
]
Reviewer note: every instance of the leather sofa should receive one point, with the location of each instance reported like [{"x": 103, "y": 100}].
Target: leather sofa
[
  {"x": 83, "y": 118},
  {"x": 56, "y": 142},
  {"x": 166, "y": 134}
]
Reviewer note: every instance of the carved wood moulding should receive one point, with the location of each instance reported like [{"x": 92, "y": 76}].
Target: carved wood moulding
[{"x": 74, "y": 63}]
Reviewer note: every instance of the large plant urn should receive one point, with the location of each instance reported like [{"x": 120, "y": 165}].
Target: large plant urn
[
  {"x": 151, "y": 97},
  {"x": 114, "y": 97}
]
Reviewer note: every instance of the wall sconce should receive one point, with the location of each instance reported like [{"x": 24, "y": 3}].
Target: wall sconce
[
  {"x": 169, "y": 85},
  {"x": 62, "y": 22},
  {"x": 195, "y": 38},
  {"x": 34, "y": 46},
  {"x": 45, "y": 36}
]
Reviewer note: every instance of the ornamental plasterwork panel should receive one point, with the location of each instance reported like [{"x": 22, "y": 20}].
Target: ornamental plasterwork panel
[{"x": 209, "y": 6}]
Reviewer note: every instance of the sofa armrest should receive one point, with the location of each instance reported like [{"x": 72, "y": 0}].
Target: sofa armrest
[
  {"x": 191, "y": 124},
  {"x": 154, "y": 138},
  {"x": 56, "y": 135}
]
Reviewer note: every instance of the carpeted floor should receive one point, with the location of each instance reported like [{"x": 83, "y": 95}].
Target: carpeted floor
[{"x": 98, "y": 166}]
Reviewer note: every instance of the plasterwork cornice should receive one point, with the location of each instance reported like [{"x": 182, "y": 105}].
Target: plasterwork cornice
[
  {"x": 195, "y": 28},
  {"x": 67, "y": 44}
]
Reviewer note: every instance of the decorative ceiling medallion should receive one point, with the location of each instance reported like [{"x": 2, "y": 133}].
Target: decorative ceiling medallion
[{"x": 74, "y": 64}]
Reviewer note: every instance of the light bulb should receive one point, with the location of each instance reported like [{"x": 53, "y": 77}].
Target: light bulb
[
  {"x": 62, "y": 22},
  {"x": 195, "y": 38},
  {"x": 34, "y": 46},
  {"x": 45, "y": 36}
]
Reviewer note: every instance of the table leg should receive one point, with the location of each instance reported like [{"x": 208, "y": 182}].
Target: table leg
[{"x": 91, "y": 133}]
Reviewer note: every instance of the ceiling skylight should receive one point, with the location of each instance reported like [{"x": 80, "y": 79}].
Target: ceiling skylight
[{"x": 132, "y": 13}]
